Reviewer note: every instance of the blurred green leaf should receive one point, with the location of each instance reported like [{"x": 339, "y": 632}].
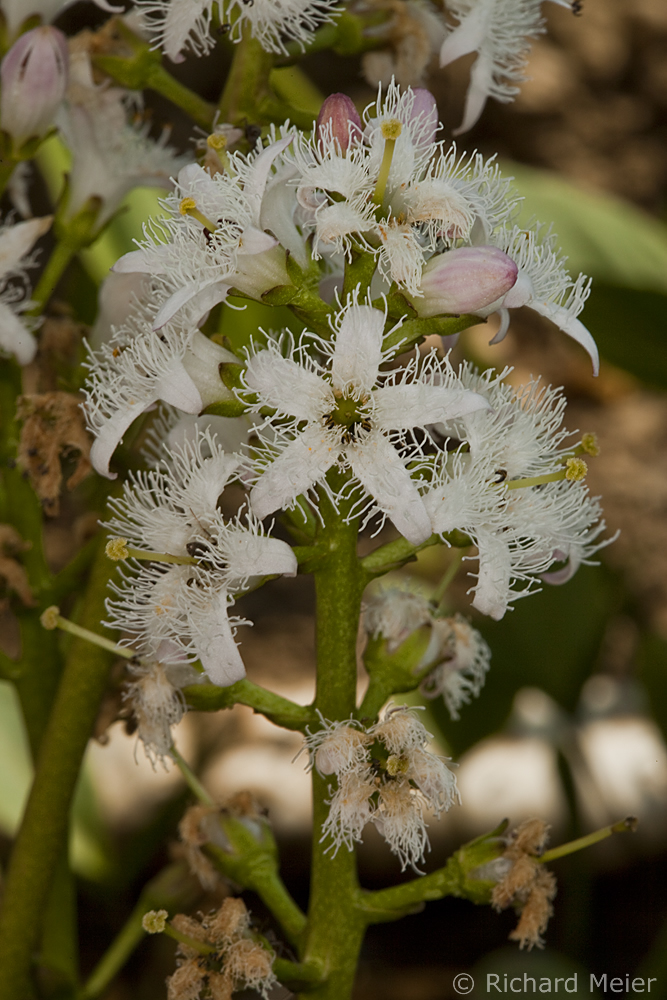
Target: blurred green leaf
[
  {"x": 610, "y": 239},
  {"x": 550, "y": 640},
  {"x": 652, "y": 669},
  {"x": 630, "y": 328}
]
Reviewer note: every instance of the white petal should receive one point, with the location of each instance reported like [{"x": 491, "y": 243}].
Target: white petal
[
  {"x": 201, "y": 295},
  {"x": 571, "y": 326},
  {"x": 358, "y": 351},
  {"x": 15, "y": 338},
  {"x": 304, "y": 462},
  {"x": 16, "y": 241},
  {"x": 177, "y": 389},
  {"x": 481, "y": 81},
  {"x": 153, "y": 260},
  {"x": 110, "y": 435},
  {"x": 253, "y": 240},
  {"x": 465, "y": 38},
  {"x": 492, "y": 590},
  {"x": 253, "y": 555},
  {"x": 287, "y": 386},
  {"x": 378, "y": 467},
  {"x": 257, "y": 177},
  {"x": 217, "y": 649},
  {"x": 400, "y": 407}
]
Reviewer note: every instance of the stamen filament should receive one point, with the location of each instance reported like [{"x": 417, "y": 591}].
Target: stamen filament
[
  {"x": 51, "y": 618},
  {"x": 188, "y": 206},
  {"x": 622, "y": 826},
  {"x": 193, "y": 782},
  {"x": 391, "y": 131}
]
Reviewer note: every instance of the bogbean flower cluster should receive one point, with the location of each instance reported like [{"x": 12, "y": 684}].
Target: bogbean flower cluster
[{"x": 385, "y": 776}]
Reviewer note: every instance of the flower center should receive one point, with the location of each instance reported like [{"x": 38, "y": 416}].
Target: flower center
[{"x": 351, "y": 416}]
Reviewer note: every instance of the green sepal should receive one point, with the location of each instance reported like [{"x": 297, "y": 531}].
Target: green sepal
[
  {"x": 231, "y": 373},
  {"x": 280, "y": 295},
  {"x": 398, "y": 306},
  {"x": 359, "y": 273},
  {"x": 398, "y": 670},
  {"x": 225, "y": 408},
  {"x": 467, "y": 864}
]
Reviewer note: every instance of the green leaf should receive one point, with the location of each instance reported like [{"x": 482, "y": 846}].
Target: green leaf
[
  {"x": 630, "y": 328},
  {"x": 602, "y": 235}
]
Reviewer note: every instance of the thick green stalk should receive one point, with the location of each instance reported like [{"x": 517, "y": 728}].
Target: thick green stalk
[
  {"x": 335, "y": 924},
  {"x": 281, "y": 711},
  {"x": 57, "y": 264},
  {"x": 43, "y": 832},
  {"x": 168, "y": 86}
]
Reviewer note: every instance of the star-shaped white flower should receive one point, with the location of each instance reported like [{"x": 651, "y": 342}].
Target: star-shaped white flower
[{"x": 349, "y": 414}]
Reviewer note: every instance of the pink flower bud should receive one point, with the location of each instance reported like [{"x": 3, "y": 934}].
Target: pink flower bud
[
  {"x": 340, "y": 114},
  {"x": 34, "y": 80},
  {"x": 466, "y": 280}
]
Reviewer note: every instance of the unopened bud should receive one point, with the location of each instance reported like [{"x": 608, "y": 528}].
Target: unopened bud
[
  {"x": 34, "y": 81},
  {"x": 465, "y": 280},
  {"x": 342, "y": 118}
]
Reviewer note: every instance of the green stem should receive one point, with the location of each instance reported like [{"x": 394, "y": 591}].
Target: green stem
[
  {"x": 447, "y": 577},
  {"x": 247, "y": 83},
  {"x": 165, "y": 84},
  {"x": 43, "y": 832},
  {"x": 393, "y": 555},
  {"x": 622, "y": 826},
  {"x": 171, "y": 890},
  {"x": 281, "y": 711},
  {"x": 193, "y": 782},
  {"x": 57, "y": 264},
  {"x": 335, "y": 924}
]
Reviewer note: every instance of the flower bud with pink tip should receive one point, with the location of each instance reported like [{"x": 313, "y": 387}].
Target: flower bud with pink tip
[
  {"x": 465, "y": 280},
  {"x": 339, "y": 114},
  {"x": 34, "y": 80}
]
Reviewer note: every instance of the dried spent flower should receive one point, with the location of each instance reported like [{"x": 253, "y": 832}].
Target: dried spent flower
[{"x": 527, "y": 884}]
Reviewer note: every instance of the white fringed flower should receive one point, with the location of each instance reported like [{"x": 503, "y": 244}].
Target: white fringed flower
[
  {"x": 215, "y": 235},
  {"x": 464, "y": 663},
  {"x": 520, "y": 531},
  {"x": 138, "y": 367},
  {"x": 177, "y": 610},
  {"x": 178, "y": 25},
  {"x": 16, "y": 242},
  {"x": 385, "y": 776},
  {"x": 157, "y": 705},
  {"x": 110, "y": 156},
  {"x": 349, "y": 415},
  {"x": 499, "y": 31},
  {"x": 543, "y": 284}
]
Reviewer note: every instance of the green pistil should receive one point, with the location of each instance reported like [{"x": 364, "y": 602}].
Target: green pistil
[
  {"x": 575, "y": 470},
  {"x": 391, "y": 130}
]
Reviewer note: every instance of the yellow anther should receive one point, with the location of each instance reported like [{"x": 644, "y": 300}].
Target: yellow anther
[
  {"x": 391, "y": 129},
  {"x": 187, "y": 205},
  {"x": 117, "y": 549},
  {"x": 216, "y": 141},
  {"x": 575, "y": 469},
  {"x": 590, "y": 444},
  {"x": 155, "y": 921},
  {"x": 49, "y": 618}
]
